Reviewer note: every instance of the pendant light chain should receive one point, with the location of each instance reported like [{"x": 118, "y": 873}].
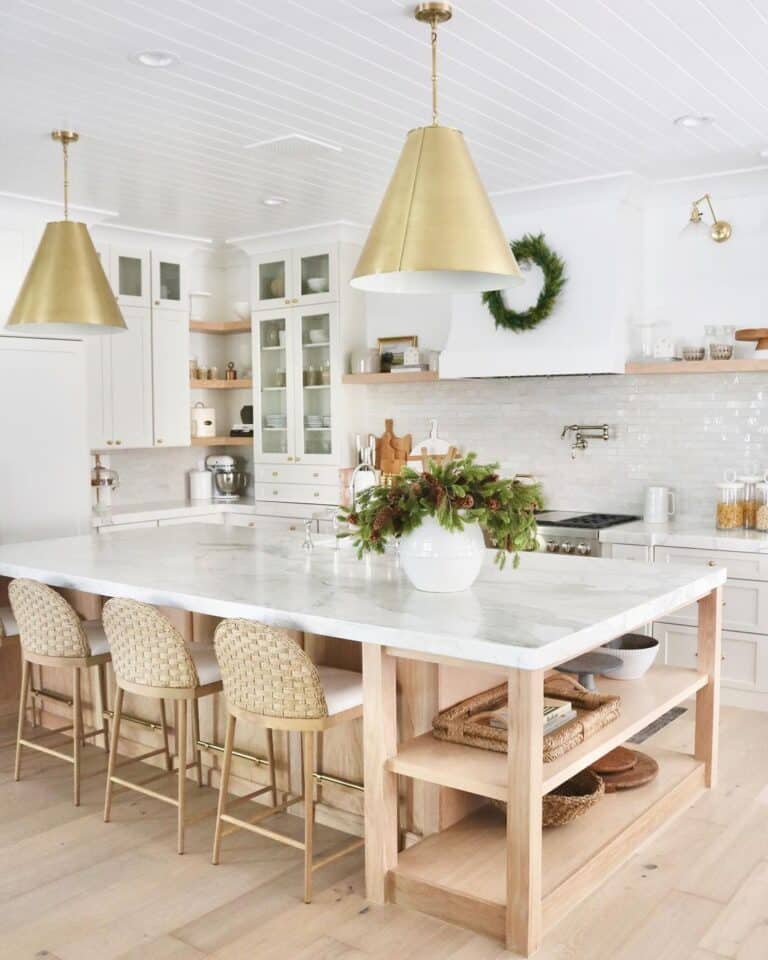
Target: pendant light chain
[{"x": 433, "y": 41}]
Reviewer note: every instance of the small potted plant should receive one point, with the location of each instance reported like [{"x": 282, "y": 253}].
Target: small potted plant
[{"x": 439, "y": 516}]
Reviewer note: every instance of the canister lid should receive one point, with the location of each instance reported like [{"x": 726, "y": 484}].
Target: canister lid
[
  {"x": 750, "y": 478},
  {"x": 730, "y": 485}
]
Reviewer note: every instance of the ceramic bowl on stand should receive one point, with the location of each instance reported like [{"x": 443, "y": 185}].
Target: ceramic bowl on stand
[{"x": 637, "y": 651}]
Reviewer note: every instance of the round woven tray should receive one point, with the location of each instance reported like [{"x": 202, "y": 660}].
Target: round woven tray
[{"x": 572, "y": 798}]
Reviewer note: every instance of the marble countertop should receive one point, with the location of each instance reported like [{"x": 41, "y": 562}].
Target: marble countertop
[
  {"x": 549, "y": 609},
  {"x": 167, "y": 510},
  {"x": 695, "y": 533}
]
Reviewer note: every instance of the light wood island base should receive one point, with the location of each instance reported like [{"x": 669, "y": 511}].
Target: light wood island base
[{"x": 506, "y": 877}]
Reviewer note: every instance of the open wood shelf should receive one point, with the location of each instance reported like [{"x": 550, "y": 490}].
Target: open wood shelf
[
  {"x": 697, "y": 366},
  {"x": 484, "y": 772},
  {"x": 462, "y": 870},
  {"x": 212, "y": 326},
  {"x": 221, "y": 384},
  {"x": 222, "y": 441},
  {"x": 421, "y": 376}
]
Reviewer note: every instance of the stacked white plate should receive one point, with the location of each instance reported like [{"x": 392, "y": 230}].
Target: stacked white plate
[
  {"x": 313, "y": 420},
  {"x": 275, "y": 421}
]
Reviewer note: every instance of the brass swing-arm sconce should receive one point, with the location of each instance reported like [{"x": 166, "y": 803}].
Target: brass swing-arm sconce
[{"x": 720, "y": 231}]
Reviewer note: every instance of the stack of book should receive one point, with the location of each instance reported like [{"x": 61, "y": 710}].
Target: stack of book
[{"x": 556, "y": 714}]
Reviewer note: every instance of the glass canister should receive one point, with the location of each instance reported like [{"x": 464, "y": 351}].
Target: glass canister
[
  {"x": 761, "y": 517},
  {"x": 750, "y": 481},
  {"x": 730, "y": 505}
]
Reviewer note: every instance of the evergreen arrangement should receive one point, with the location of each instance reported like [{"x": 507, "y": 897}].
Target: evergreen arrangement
[
  {"x": 454, "y": 492},
  {"x": 534, "y": 249}
]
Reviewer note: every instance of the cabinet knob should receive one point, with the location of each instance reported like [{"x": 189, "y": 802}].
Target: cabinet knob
[
  {"x": 287, "y": 302},
  {"x": 118, "y": 442},
  {"x": 295, "y": 299},
  {"x": 297, "y": 459},
  {"x": 292, "y": 527},
  {"x": 252, "y": 523},
  {"x": 316, "y": 493},
  {"x": 712, "y": 563},
  {"x": 316, "y": 475},
  {"x": 157, "y": 303},
  {"x": 274, "y": 493},
  {"x": 290, "y": 459},
  {"x": 109, "y": 443},
  {"x": 274, "y": 473},
  {"x": 160, "y": 440}
]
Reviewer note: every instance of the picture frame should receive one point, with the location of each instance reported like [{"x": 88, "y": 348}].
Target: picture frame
[{"x": 396, "y": 346}]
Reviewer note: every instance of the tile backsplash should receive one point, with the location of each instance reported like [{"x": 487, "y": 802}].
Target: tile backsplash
[{"x": 684, "y": 431}]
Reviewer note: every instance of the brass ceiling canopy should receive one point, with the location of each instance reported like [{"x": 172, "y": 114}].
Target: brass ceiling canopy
[
  {"x": 436, "y": 230},
  {"x": 66, "y": 292},
  {"x": 720, "y": 231}
]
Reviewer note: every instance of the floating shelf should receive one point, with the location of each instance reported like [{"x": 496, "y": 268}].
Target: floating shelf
[
  {"x": 421, "y": 376},
  {"x": 462, "y": 870},
  {"x": 210, "y": 326},
  {"x": 221, "y": 384},
  {"x": 675, "y": 367},
  {"x": 484, "y": 772},
  {"x": 222, "y": 441}
]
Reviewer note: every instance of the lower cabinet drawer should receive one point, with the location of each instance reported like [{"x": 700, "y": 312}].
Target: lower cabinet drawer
[
  {"x": 740, "y": 566},
  {"x": 117, "y": 527},
  {"x": 295, "y": 473},
  {"x": 745, "y": 608},
  {"x": 285, "y": 524},
  {"x": 297, "y": 493},
  {"x": 743, "y": 663},
  {"x": 216, "y": 518},
  {"x": 626, "y": 551}
]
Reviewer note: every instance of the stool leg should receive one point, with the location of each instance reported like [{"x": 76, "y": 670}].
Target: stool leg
[
  {"x": 226, "y": 769},
  {"x": 182, "y": 751},
  {"x": 103, "y": 702},
  {"x": 308, "y": 760},
  {"x": 272, "y": 771},
  {"x": 23, "y": 695},
  {"x": 164, "y": 725},
  {"x": 113, "y": 752},
  {"x": 77, "y": 733},
  {"x": 195, "y": 738}
]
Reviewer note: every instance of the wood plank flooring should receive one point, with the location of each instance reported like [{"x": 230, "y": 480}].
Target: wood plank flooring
[{"x": 74, "y": 888}]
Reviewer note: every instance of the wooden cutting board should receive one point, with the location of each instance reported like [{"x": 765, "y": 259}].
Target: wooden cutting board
[
  {"x": 644, "y": 770},
  {"x": 617, "y": 761},
  {"x": 391, "y": 451}
]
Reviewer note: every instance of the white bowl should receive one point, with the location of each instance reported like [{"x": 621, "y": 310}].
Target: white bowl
[
  {"x": 317, "y": 284},
  {"x": 636, "y": 652},
  {"x": 243, "y": 309},
  {"x": 316, "y": 335}
]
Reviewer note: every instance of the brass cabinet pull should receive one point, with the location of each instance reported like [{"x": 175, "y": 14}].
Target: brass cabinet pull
[
  {"x": 109, "y": 443},
  {"x": 160, "y": 440},
  {"x": 118, "y": 442},
  {"x": 274, "y": 473},
  {"x": 275, "y": 493},
  {"x": 712, "y": 563},
  {"x": 316, "y": 493}
]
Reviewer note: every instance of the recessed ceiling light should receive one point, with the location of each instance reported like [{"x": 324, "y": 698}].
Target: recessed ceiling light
[
  {"x": 691, "y": 120},
  {"x": 274, "y": 201},
  {"x": 155, "y": 59},
  {"x": 763, "y": 153}
]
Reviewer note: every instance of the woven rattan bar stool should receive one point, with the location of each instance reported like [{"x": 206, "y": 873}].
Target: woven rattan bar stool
[
  {"x": 271, "y": 682},
  {"x": 52, "y": 635},
  {"x": 150, "y": 658}
]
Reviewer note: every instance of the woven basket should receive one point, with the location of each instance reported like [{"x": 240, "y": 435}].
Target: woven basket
[
  {"x": 463, "y": 723},
  {"x": 568, "y": 801}
]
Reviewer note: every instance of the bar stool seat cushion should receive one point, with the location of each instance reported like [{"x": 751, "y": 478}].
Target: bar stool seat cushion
[
  {"x": 206, "y": 664},
  {"x": 343, "y": 689},
  {"x": 97, "y": 639},
  {"x": 8, "y": 622}
]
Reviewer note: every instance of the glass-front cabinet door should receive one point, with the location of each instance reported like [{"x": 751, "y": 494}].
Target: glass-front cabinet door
[
  {"x": 272, "y": 281},
  {"x": 315, "y": 275},
  {"x": 129, "y": 275},
  {"x": 274, "y": 376},
  {"x": 316, "y": 395},
  {"x": 168, "y": 282}
]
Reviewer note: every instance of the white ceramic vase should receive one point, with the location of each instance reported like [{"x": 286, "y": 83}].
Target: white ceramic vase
[{"x": 442, "y": 561}]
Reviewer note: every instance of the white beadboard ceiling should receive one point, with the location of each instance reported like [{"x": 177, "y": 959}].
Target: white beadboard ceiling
[{"x": 544, "y": 90}]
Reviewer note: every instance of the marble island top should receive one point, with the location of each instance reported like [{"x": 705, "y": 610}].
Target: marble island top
[
  {"x": 549, "y": 609},
  {"x": 690, "y": 532}
]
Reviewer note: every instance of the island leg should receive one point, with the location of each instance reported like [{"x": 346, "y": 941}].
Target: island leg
[
  {"x": 526, "y": 717},
  {"x": 380, "y": 743},
  {"x": 708, "y": 698}
]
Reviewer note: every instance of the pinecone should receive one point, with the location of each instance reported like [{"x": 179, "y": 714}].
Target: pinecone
[
  {"x": 381, "y": 519},
  {"x": 494, "y": 503}
]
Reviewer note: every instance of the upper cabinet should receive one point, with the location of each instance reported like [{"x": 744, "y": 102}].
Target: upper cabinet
[
  {"x": 139, "y": 379},
  {"x": 298, "y": 277},
  {"x": 169, "y": 282}
]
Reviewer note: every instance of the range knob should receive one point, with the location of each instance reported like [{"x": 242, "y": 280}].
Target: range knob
[
  {"x": 583, "y": 549},
  {"x": 552, "y": 546},
  {"x": 566, "y": 547}
]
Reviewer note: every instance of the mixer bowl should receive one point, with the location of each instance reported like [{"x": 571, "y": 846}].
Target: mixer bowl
[{"x": 230, "y": 484}]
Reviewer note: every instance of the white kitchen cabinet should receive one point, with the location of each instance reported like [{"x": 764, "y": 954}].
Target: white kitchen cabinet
[
  {"x": 128, "y": 274},
  {"x": 283, "y": 524},
  {"x": 170, "y": 377},
  {"x": 297, "y": 384},
  {"x": 120, "y": 384},
  {"x": 740, "y": 566},
  {"x": 169, "y": 282},
  {"x": 743, "y": 655},
  {"x": 298, "y": 277},
  {"x": 745, "y": 608},
  {"x": 627, "y": 551}
]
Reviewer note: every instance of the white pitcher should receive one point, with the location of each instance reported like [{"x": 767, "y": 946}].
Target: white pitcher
[{"x": 659, "y": 504}]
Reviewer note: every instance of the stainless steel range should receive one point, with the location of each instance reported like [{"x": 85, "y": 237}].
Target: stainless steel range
[{"x": 576, "y": 533}]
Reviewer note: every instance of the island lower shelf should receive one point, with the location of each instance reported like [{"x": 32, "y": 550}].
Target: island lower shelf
[
  {"x": 459, "y": 874},
  {"x": 484, "y": 772}
]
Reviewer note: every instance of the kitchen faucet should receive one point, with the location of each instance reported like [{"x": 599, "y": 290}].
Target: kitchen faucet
[{"x": 582, "y": 433}]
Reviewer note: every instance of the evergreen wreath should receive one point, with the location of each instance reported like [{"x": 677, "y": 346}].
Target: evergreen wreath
[{"x": 534, "y": 249}]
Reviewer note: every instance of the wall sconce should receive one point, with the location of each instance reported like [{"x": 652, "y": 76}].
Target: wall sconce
[{"x": 720, "y": 231}]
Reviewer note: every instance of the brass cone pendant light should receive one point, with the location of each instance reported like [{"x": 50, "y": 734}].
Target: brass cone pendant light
[
  {"x": 435, "y": 231},
  {"x": 66, "y": 292}
]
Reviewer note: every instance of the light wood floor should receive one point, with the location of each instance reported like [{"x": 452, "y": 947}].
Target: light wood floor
[{"x": 74, "y": 888}]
